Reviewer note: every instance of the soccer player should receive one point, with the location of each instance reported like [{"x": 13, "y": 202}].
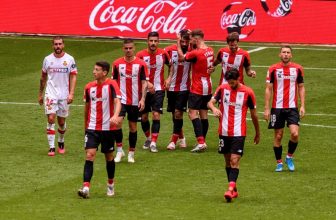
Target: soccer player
[
  {"x": 131, "y": 74},
  {"x": 234, "y": 98},
  {"x": 201, "y": 59},
  {"x": 235, "y": 57},
  {"x": 59, "y": 72},
  {"x": 101, "y": 118},
  {"x": 155, "y": 58},
  {"x": 178, "y": 86},
  {"x": 285, "y": 81}
]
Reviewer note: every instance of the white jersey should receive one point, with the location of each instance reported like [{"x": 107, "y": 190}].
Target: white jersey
[{"x": 58, "y": 71}]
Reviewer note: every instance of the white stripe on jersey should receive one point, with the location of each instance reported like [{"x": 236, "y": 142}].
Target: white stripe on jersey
[
  {"x": 225, "y": 59},
  {"x": 236, "y": 64},
  {"x": 292, "y": 87},
  {"x": 280, "y": 88},
  {"x": 93, "y": 110},
  {"x": 225, "y": 117},
  {"x": 123, "y": 88},
  {"x": 238, "y": 114},
  {"x": 135, "y": 84},
  {"x": 106, "y": 108},
  {"x": 174, "y": 61},
  {"x": 157, "y": 75},
  {"x": 205, "y": 85}
]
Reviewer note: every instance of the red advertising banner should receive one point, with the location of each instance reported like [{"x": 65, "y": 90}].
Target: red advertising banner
[{"x": 291, "y": 21}]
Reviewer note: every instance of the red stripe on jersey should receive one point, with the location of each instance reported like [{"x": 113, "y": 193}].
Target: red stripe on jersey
[{"x": 99, "y": 108}]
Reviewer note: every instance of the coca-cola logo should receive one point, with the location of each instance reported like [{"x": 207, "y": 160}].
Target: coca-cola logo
[
  {"x": 277, "y": 9},
  {"x": 237, "y": 18},
  {"x": 162, "y": 15}
]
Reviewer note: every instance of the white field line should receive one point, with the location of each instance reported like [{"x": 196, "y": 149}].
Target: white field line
[
  {"x": 321, "y": 47},
  {"x": 305, "y": 68},
  {"x": 257, "y": 49},
  {"x": 310, "y": 125}
]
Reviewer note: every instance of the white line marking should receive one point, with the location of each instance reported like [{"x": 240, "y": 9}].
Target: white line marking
[
  {"x": 305, "y": 68},
  {"x": 257, "y": 49},
  {"x": 314, "y": 114}
]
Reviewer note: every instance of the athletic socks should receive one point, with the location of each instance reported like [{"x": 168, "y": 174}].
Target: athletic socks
[
  {"x": 110, "y": 168},
  {"x": 205, "y": 127},
  {"x": 278, "y": 153},
  {"x": 155, "y": 130},
  {"x": 61, "y": 131},
  {"x": 132, "y": 139},
  {"x": 197, "y": 127},
  {"x": 291, "y": 148},
  {"x": 88, "y": 170},
  {"x": 51, "y": 135}
]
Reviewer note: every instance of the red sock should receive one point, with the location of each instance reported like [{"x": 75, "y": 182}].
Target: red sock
[
  {"x": 110, "y": 181},
  {"x": 174, "y": 138},
  {"x": 86, "y": 184},
  {"x": 279, "y": 161},
  {"x": 200, "y": 140},
  {"x": 147, "y": 134},
  {"x": 154, "y": 137},
  {"x": 181, "y": 135}
]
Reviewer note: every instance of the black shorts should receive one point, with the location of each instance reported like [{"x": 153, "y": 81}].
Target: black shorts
[
  {"x": 154, "y": 102},
  {"x": 198, "y": 102},
  {"x": 177, "y": 100},
  {"x": 280, "y": 116},
  {"x": 132, "y": 111},
  {"x": 94, "y": 138},
  {"x": 231, "y": 145}
]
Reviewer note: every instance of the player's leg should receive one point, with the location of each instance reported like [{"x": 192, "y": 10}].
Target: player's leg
[
  {"x": 119, "y": 135},
  {"x": 92, "y": 140},
  {"x": 181, "y": 106},
  {"x": 204, "y": 115},
  {"x": 293, "y": 125},
  {"x": 277, "y": 122},
  {"x": 157, "y": 106},
  {"x": 51, "y": 133},
  {"x": 145, "y": 125},
  {"x": 194, "y": 103},
  {"x": 172, "y": 98},
  {"x": 233, "y": 176},
  {"x": 62, "y": 113},
  {"x": 132, "y": 139},
  {"x": 107, "y": 147}
]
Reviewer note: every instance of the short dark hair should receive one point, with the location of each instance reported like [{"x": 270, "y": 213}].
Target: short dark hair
[
  {"x": 104, "y": 65},
  {"x": 232, "y": 74},
  {"x": 128, "y": 40},
  {"x": 197, "y": 32},
  {"x": 185, "y": 34},
  {"x": 286, "y": 46},
  {"x": 152, "y": 34},
  {"x": 233, "y": 36},
  {"x": 57, "y": 38}
]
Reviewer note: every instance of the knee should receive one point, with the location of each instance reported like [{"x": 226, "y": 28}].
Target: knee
[
  {"x": 192, "y": 115},
  {"x": 178, "y": 115},
  {"x": 295, "y": 136},
  {"x": 156, "y": 116},
  {"x": 90, "y": 156}
]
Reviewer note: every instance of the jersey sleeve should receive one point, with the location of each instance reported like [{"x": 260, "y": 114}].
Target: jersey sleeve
[
  {"x": 44, "y": 66},
  {"x": 299, "y": 79},
  {"x": 115, "y": 72},
  {"x": 115, "y": 91},
  {"x": 191, "y": 56},
  {"x": 270, "y": 75},
  {"x": 143, "y": 73},
  {"x": 247, "y": 60},
  {"x": 218, "y": 94},
  {"x": 251, "y": 100},
  {"x": 73, "y": 67},
  {"x": 86, "y": 95},
  {"x": 219, "y": 56}
]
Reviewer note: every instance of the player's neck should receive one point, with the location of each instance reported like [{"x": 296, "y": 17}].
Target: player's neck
[
  {"x": 285, "y": 63},
  {"x": 59, "y": 55},
  {"x": 129, "y": 59},
  {"x": 101, "y": 80},
  {"x": 151, "y": 51}
]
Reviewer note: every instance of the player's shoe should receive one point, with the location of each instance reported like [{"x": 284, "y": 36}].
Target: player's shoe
[
  {"x": 130, "y": 157},
  {"x": 182, "y": 143},
  {"x": 279, "y": 167},
  {"x": 110, "y": 189},
  {"x": 153, "y": 147},
  {"x": 171, "y": 146},
  {"x": 61, "y": 149},
  {"x": 199, "y": 148},
  {"x": 235, "y": 193},
  {"x": 84, "y": 192},
  {"x": 146, "y": 144},
  {"x": 290, "y": 164},
  {"x": 119, "y": 155},
  {"x": 229, "y": 195},
  {"x": 51, "y": 152}
]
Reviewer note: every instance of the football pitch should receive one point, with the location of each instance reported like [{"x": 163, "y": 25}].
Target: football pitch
[{"x": 166, "y": 185}]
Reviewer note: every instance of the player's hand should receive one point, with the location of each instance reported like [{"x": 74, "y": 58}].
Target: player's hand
[
  {"x": 266, "y": 114},
  {"x": 40, "y": 100},
  {"x": 302, "y": 112},
  {"x": 70, "y": 99},
  {"x": 141, "y": 105},
  {"x": 253, "y": 74},
  {"x": 256, "y": 138},
  {"x": 217, "y": 112},
  {"x": 211, "y": 69},
  {"x": 115, "y": 120},
  {"x": 167, "y": 83}
]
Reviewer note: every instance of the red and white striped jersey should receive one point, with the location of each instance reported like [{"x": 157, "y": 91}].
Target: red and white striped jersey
[
  {"x": 155, "y": 63},
  {"x": 58, "y": 71},
  {"x": 201, "y": 60},
  {"x": 129, "y": 76},
  {"x": 229, "y": 60},
  {"x": 233, "y": 106},
  {"x": 181, "y": 70},
  {"x": 101, "y": 104},
  {"x": 285, "y": 80}
]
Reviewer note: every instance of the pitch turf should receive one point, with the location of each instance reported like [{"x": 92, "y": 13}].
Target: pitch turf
[{"x": 167, "y": 185}]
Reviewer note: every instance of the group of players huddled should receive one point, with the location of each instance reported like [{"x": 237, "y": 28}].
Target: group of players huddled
[{"x": 138, "y": 86}]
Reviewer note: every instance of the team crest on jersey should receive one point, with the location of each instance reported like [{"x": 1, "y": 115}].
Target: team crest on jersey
[{"x": 65, "y": 63}]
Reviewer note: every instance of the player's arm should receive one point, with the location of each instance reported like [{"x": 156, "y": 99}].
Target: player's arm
[
  {"x": 211, "y": 106},
  {"x": 302, "y": 94},
  {"x": 116, "y": 95},
  {"x": 268, "y": 94},
  {"x": 247, "y": 66},
  {"x": 218, "y": 59},
  {"x": 144, "y": 86},
  {"x": 73, "y": 80},
  {"x": 43, "y": 81},
  {"x": 255, "y": 121},
  {"x": 86, "y": 107}
]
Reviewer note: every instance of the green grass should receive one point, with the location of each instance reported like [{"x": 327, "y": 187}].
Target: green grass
[{"x": 167, "y": 185}]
